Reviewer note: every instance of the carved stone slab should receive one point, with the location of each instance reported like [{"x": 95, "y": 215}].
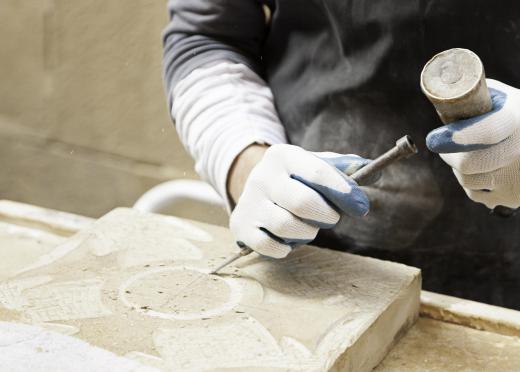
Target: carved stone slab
[{"x": 135, "y": 286}]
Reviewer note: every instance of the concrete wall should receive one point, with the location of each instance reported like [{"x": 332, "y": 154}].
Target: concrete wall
[{"x": 84, "y": 125}]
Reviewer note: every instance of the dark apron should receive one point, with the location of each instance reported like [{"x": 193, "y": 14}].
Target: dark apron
[{"x": 345, "y": 75}]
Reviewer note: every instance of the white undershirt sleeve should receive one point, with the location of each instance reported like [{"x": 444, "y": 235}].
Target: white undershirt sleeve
[{"x": 219, "y": 110}]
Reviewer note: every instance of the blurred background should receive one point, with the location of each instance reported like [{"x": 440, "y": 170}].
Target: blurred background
[{"x": 84, "y": 124}]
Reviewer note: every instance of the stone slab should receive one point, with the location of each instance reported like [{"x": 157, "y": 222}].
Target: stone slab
[
  {"x": 470, "y": 313},
  {"x": 50, "y": 220},
  {"x": 22, "y": 246},
  {"x": 436, "y": 346},
  {"x": 51, "y": 351},
  {"x": 136, "y": 285}
]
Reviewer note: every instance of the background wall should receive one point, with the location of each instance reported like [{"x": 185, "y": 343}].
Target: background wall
[{"x": 84, "y": 125}]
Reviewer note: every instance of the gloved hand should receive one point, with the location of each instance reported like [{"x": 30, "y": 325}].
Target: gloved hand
[
  {"x": 484, "y": 151},
  {"x": 292, "y": 193}
]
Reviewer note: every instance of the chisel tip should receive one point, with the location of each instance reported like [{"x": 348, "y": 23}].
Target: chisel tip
[{"x": 243, "y": 252}]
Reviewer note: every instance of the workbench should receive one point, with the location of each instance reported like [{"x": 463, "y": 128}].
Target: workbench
[{"x": 451, "y": 334}]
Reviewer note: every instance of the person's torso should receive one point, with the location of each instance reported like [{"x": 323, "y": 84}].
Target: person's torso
[{"x": 345, "y": 76}]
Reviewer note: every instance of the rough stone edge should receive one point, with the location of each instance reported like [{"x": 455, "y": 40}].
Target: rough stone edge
[
  {"x": 53, "y": 221},
  {"x": 401, "y": 314},
  {"x": 470, "y": 314}
]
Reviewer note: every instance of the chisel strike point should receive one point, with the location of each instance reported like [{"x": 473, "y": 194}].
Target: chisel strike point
[{"x": 244, "y": 251}]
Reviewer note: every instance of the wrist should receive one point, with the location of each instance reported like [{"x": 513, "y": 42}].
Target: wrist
[{"x": 241, "y": 168}]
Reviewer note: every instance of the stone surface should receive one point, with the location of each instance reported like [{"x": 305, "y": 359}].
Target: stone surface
[
  {"x": 50, "y": 351},
  {"x": 21, "y": 246},
  {"x": 137, "y": 286},
  {"x": 436, "y": 346}
]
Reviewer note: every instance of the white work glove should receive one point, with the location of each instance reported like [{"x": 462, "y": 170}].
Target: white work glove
[
  {"x": 292, "y": 193},
  {"x": 484, "y": 151}
]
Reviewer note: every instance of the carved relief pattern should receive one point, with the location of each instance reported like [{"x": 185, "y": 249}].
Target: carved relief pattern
[{"x": 137, "y": 285}]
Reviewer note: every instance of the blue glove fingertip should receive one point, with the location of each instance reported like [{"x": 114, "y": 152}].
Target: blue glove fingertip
[
  {"x": 498, "y": 99},
  {"x": 359, "y": 200},
  {"x": 440, "y": 140}
]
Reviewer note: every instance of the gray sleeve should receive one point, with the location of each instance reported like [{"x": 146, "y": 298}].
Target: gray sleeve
[{"x": 203, "y": 31}]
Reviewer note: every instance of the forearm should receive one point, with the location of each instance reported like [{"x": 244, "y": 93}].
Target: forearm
[{"x": 220, "y": 110}]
